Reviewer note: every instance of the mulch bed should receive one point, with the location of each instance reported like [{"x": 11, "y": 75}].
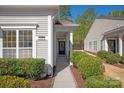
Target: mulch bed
[
  {"x": 119, "y": 65},
  {"x": 79, "y": 80},
  {"x": 45, "y": 83}
]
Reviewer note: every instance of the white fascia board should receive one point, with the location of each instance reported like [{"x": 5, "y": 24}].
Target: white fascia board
[
  {"x": 17, "y": 27},
  {"x": 50, "y": 40}
]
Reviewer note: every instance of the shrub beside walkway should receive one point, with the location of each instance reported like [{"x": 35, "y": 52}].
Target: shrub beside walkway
[{"x": 113, "y": 72}]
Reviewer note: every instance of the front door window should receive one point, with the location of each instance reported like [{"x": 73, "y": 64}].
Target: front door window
[
  {"x": 61, "y": 47},
  {"x": 112, "y": 46}
]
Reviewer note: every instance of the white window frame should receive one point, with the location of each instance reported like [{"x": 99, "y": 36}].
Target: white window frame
[
  {"x": 95, "y": 45},
  {"x": 17, "y": 28}
]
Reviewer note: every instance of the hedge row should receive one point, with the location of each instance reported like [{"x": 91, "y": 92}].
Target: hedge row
[
  {"x": 13, "y": 82},
  {"x": 91, "y": 69},
  {"x": 110, "y": 57},
  {"x": 76, "y": 56},
  {"x": 87, "y": 65},
  {"x": 28, "y": 68},
  {"x": 102, "y": 82}
]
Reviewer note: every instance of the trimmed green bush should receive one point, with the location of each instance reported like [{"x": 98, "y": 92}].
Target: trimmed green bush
[
  {"x": 29, "y": 68},
  {"x": 102, "y": 82},
  {"x": 103, "y": 54},
  {"x": 113, "y": 59},
  {"x": 76, "y": 56},
  {"x": 90, "y": 66},
  {"x": 122, "y": 60},
  {"x": 13, "y": 82}
]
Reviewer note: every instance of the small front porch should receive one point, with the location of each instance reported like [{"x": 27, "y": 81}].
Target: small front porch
[
  {"x": 62, "y": 41},
  {"x": 114, "y": 41}
]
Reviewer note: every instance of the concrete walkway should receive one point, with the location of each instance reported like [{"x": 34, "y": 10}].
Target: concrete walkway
[
  {"x": 64, "y": 77},
  {"x": 114, "y": 72}
]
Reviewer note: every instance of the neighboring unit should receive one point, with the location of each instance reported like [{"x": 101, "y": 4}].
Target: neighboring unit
[
  {"x": 34, "y": 32},
  {"x": 106, "y": 33}
]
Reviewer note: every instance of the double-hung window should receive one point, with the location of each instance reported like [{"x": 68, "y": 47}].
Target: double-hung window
[
  {"x": 95, "y": 45},
  {"x": 25, "y": 43},
  {"x": 9, "y": 43},
  {"x": 17, "y": 43}
]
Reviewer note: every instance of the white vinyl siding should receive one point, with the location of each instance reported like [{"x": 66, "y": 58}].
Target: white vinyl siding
[
  {"x": 90, "y": 45},
  {"x": 41, "y": 46},
  {"x": 42, "y": 49},
  {"x": 99, "y": 27}
]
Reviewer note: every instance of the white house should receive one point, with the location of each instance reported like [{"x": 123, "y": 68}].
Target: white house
[
  {"x": 106, "y": 33},
  {"x": 34, "y": 32}
]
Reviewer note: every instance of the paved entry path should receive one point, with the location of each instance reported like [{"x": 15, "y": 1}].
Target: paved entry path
[
  {"x": 63, "y": 74},
  {"x": 114, "y": 72}
]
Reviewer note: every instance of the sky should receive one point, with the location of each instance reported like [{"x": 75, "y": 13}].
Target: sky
[{"x": 100, "y": 9}]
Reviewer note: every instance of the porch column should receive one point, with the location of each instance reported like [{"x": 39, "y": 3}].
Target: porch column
[
  {"x": 67, "y": 45},
  {"x": 54, "y": 41},
  {"x": 50, "y": 40},
  {"x": 1, "y": 44},
  {"x": 106, "y": 44},
  {"x": 120, "y": 45},
  {"x": 71, "y": 42}
]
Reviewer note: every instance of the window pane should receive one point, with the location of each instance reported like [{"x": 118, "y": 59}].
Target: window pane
[
  {"x": 25, "y": 38},
  {"x": 9, "y": 41},
  {"x": 25, "y": 53},
  {"x": 9, "y": 38},
  {"x": 9, "y": 53},
  {"x": 25, "y": 43}
]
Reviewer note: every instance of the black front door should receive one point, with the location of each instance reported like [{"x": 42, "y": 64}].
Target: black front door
[
  {"x": 111, "y": 45},
  {"x": 62, "y": 47}
]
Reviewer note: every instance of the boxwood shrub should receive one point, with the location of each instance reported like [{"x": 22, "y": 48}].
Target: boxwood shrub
[
  {"x": 29, "y": 68},
  {"x": 90, "y": 66},
  {"x": 103, "y": 54},
  {"x": 122, "y": 60},
  {"x": 102, "y": 82},
  {"x": 76, "y": 56},
  {"x": 113, "y": 59},
  {"x": 13, "y": 82}
]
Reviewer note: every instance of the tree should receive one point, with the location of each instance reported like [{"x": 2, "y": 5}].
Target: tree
[
  {"x": 116, "y": 13},
  {"x": 85, "y": 21},
  {"x": 65, "y": 14}
]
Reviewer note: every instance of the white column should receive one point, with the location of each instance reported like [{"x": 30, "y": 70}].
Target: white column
[
  {"x": 54, "y": 51},
  {"x": 50, "y": 40},
  {"x": 71, "y": 42},
  {"x": 34, "y": 43},
  {"x": 106, "y": 44},
  {"x": 1, "y": 43},
  {"x": 67, "y": 44},
  {"x": 120, "y": 45},
  {"x": 17, "y": 43}
]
